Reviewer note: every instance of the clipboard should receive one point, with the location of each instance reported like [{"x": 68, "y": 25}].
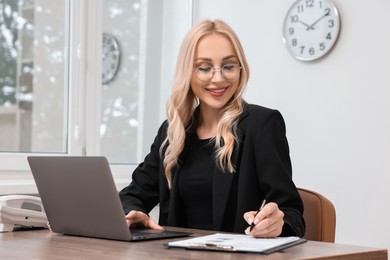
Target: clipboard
[{"x": 237, "y": 243}]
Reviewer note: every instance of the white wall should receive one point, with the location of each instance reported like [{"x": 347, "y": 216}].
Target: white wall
[{"x": 337, "y": 110}]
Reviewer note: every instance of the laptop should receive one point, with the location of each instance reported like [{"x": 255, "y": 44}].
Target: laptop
[{"x": 80, "y": 198}]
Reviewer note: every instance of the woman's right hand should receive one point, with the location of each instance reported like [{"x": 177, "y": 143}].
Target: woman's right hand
[{"x": 139, "y": 219}]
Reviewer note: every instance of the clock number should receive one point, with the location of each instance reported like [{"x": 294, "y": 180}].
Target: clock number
[
  {"x": 291, "y": 30},
  {"x": 320, "y": 4},
  {"x": 311, "y": 51},
  {"x": 294, "y": 19},
  {"x": 327, "y": 11},
  {"x": 302, "y": 49},
  {"x": 322, "y": 46},
  {"x": 309, "y": 3},
  {"x": 329, "y": 36},
  {"x": 294, "y": 42},
  {"x": 300, "y": 9},
  {"x": 331, "y": 23}
]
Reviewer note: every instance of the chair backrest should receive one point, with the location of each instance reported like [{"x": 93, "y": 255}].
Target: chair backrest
[{"x": 320, "y": 216}]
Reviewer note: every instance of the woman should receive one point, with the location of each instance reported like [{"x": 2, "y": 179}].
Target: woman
[{"x": 216, "y": 158}]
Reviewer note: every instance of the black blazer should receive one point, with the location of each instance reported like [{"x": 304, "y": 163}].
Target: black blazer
[{"x": 263, "y": 167}]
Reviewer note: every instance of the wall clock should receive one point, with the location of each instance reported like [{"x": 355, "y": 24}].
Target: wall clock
[
  {"x": 311, "y": 28},
  {"x": 111, "y": 58}
]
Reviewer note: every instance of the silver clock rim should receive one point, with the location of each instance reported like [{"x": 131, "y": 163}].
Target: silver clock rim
[{"x": 333, "y": 43}]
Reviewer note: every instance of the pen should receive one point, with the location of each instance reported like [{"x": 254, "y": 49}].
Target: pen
[{"x": 257, "y": 212}]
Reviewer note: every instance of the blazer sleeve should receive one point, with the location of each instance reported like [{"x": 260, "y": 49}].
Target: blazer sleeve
[
  {"x": 142, "y": 193},
  {"x": 275, "y": 172}
]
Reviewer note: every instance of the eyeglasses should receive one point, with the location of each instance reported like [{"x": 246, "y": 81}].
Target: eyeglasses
[{"x": 207, "y": 72}]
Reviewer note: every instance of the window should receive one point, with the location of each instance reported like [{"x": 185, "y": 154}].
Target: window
[
  {"x": 53, "y": 97},
  {"x": 33, "y": 76}
]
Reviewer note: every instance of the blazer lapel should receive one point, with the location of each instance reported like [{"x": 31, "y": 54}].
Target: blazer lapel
[
  {"x": 175, "y": 204},
  {"x": 223, "y": 180}
]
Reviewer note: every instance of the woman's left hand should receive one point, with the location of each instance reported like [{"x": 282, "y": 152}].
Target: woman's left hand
[{"x": 268, "y": 222}]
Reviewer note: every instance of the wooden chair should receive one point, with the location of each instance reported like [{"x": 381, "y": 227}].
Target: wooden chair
[{"x": 320, "y": 216}]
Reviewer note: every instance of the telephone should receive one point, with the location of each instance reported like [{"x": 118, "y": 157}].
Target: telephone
[{"x": 21, "y": 210}]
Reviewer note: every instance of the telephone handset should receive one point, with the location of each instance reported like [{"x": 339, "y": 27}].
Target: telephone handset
[{"x": 21, "y": 210}]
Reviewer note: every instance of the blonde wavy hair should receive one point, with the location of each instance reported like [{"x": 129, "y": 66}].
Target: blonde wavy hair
[{"x": 182, "y": 102}]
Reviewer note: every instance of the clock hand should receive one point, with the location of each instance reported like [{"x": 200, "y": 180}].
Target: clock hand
[
  {"x": 319, "y": 19},
  {"x": 305, "y": 24}
]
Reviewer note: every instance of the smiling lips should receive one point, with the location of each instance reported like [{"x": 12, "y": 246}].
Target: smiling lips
[{"x": 217, "y": 92}]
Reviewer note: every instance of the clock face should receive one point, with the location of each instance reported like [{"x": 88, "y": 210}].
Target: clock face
[
  {"x": 111, "y": 58},
  {"x": 311, "y": 28}
]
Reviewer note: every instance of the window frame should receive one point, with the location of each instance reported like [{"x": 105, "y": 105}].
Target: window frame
[{"x": 83, "y": 112}]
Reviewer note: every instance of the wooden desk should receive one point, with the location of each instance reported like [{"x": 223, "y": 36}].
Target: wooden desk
[{"x": 43, "y": 244}]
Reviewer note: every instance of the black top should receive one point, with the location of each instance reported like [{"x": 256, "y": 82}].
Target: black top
[{"x": 195, "y": 183}]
